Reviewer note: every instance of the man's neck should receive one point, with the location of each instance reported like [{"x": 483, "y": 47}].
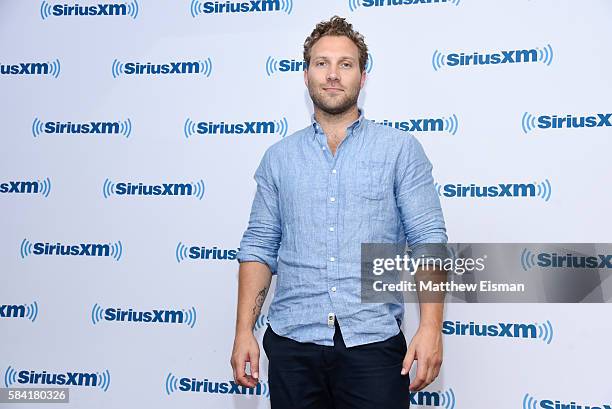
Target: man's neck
[{"x": 334, "y": 125}]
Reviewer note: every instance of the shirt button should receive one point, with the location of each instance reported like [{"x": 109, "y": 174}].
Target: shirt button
[
  {"x": 333, "y": 289},
  {"x": 322, "y": 147},
  {"x": 334, "y": 171},
  {"x": 332, "y": 199},
  {"x": 332, "y": 259},
  {"x": 331, "y": 229}
]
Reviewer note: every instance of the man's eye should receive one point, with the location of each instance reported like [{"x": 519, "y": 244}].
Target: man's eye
[
  {"x": 320, "y": 63},
  {"x": 347, "y": 65}
]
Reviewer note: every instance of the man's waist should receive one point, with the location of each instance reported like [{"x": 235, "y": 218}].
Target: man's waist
[{"x": 320, "y": 327}]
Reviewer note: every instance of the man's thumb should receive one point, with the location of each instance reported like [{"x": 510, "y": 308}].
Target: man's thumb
[
  {"x": 255, "y": 365},
  {"x": 408, "y": 360}
]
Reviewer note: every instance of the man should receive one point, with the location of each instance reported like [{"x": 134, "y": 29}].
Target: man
[{"x": 321, "y": 192}]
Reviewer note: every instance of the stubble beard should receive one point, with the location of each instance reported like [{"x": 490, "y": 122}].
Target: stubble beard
[{"x": 335, "y": 108}]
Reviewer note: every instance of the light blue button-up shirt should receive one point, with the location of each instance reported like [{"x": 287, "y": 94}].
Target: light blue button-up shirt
[{"x": 311, "y": 212}]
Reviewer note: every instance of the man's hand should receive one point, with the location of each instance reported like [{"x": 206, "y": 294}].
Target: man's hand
[
  {"x": 426, "y": 348},
  {"x": 246, "y": 349}
]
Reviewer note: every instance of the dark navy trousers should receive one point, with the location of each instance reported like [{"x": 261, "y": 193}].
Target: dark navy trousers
[{"x": 310, "y": 376}]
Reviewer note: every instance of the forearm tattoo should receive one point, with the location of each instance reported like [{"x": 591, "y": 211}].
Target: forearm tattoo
[{"x": 259, "y": 300}]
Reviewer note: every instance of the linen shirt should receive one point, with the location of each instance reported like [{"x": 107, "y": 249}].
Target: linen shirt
[{"x": 311, "y": 212}]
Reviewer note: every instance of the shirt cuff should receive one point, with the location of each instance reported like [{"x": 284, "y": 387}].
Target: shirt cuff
[
  {"x": 243, "y": 257},
  {"x": 431, "y": 251}
]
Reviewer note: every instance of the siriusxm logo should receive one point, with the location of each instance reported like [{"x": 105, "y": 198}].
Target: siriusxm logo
[
  {"x": 531, "y": 122},
  {"x": 186, "y": 384},
  {"x": 543, "y": 55},
  {"x": 530, "y": 402},
  {"x": 31, "y": 187},
  {"x": 198, "y": 7},
  {"x": 543, "y": 332},
  {"x": 553, "y": 260},
  {"x": 184, "y": 316},
  {"x": 442, "y": 124},
  {"x": 55, "y": 127},
  {"x": 88, "y": 379},
  {"x": 354, "y": 4},
  {"x": 276, "y": 65},
  {"x": 27, "y": 311},
  {"x": 110, "y": 188},
  {"x": 52, "y": 68},
  {"x": 278, "y": 127},
  {"x": 260, "y": 322},
  {"x": 201, "y": 67},
  {"x": 112, "y": 250},
  {"x": 542, "y": 190},
  {"x": 184, "y": 252},
  {"x": 101, "y": 9},
  {"x": 445, "y": 399}
]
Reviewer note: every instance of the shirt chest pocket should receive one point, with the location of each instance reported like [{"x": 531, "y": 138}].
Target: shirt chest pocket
[{"x": 371, "y": 180}]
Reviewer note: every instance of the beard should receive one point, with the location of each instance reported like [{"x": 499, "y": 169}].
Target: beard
[{"x": 334, "y": 105}]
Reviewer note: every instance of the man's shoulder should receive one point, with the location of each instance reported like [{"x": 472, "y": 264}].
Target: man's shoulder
[
  {"x": 389, "y": 133},
  {"x": 289, "y": 142},
  {"x": 390, "y": 136}
]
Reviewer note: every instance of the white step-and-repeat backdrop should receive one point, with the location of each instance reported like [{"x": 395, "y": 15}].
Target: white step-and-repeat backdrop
[{"x": 123, "y": 204}]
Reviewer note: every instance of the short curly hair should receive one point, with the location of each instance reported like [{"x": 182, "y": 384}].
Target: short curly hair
[{"x": 337, "y": 26}]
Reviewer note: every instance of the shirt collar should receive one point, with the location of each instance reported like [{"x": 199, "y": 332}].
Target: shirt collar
[{"x": 352, "y": 127}]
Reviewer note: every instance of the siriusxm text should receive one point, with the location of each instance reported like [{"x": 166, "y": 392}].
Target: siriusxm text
[
  {"x": 160, "y": 316},
  {"x": 188, "y": 67},
  {"x": 82, "y": 128},
  {"x": 424, "y": 398},
  {"x": 196, "y": 252},
  {"x": 570, "y": 121},
  {"x": 68, "y": 378},
  {"x": 572, "y": 261},
  {"x": 379, "y": 3},
  {"x": 19, "y": 187},
  {"x": 500, "y": 190},
  {"x": 82, "y": 249},
  {"x": 12, "y": 311},
  {"x": 165, "y": 189},
  {"x": 291, "y": 65},
  {"x": 251, "y": 6},
  {"x": 257, "y": 127},
  {"x": 550, "y": 404},
  {"x": 501, "y": 329},
  {"x": 28, "y": 68},
  {"x": 416, "y": 125},
  {"x": 59, "y": 10},
  {"x": 206, "y": 386},
  {"x": 502, "y": 57}
]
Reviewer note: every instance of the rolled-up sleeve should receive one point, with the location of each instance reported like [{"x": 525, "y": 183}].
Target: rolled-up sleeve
[
  {"x": 261, "y": 239},
  {"x": 418, "y": 203}
]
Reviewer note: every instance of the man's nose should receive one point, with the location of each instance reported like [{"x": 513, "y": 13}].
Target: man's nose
[{"x": 332, "y": 74}]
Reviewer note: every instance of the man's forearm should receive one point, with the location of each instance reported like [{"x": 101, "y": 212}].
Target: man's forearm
[
  {"x": 431, "y": 304},
  {"x": 431, "y": 314},
  {"x": 253, "y": 283}
]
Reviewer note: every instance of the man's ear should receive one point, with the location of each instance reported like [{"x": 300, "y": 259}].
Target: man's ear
[
  {"x": 363, "y": 79},
  {"x": 306, "y": 77}
]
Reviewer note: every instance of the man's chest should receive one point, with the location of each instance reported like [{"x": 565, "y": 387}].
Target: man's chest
[{"x": 318, "y": 185}]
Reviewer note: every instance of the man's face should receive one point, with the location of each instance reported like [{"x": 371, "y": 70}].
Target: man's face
[{"x": 333, "y": 77}]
